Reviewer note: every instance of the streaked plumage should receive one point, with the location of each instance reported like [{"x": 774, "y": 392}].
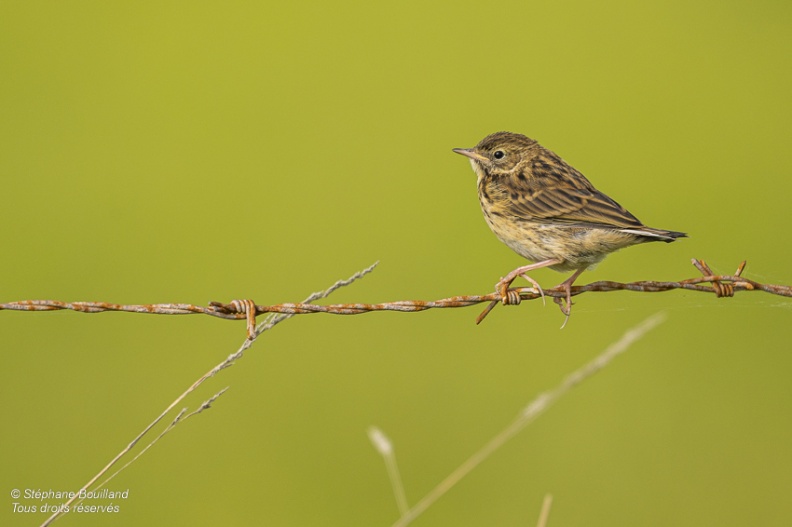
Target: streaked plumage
[{"x": 548, "y": 212}]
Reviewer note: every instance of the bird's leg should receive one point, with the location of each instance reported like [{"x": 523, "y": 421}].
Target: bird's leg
[
  {"x": 567, "y": 285},
  {"x": 502, "y": 287}
]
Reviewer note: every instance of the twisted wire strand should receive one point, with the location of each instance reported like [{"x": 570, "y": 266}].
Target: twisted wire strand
[{"x": 720, "y": 285}]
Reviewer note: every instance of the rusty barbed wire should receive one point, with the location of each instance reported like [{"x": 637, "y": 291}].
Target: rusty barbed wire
[{"x": 720, "y": 285}]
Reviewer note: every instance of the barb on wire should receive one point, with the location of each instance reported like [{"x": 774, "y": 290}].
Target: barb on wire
[
  {"x": 720, "y": 285},
  {"x": 182, "y": 416}
]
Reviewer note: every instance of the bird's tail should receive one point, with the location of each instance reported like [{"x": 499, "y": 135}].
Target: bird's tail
[{"x": 658, "y": 235}]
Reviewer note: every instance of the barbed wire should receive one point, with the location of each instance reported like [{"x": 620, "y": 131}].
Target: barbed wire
[{"x": 720, "y": 285}]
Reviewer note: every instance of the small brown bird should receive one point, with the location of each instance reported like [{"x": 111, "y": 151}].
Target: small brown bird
[{"x": 548, "y": 212}]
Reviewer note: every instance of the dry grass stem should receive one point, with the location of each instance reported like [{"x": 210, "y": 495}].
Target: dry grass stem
[
  {"x": 268, "y": 324},
  {"x": 180, "y": 418},
  {"x": 384, "y": 446},
  {"x": 533, "y": 410},
  {"x": 544, "y": 514}
]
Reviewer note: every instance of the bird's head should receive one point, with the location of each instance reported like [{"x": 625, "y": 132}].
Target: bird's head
[{"x": 499, "y": 154}]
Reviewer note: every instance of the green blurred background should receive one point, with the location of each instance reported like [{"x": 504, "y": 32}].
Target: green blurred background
[{"x": 187, "y": 152}]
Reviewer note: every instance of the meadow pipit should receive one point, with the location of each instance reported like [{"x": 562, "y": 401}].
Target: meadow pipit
[{"x": 548, "y": 212}]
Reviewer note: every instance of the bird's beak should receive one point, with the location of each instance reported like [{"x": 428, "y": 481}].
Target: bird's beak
[{"x": 471, "y": 153}]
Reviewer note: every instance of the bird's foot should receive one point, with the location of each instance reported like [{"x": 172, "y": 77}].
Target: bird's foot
[
  {"x": 565, "y": 303},
  {"x": 512, "y": 297}
]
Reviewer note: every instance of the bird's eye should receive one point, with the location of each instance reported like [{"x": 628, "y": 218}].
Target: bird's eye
[{"x": 499, "y": 154}]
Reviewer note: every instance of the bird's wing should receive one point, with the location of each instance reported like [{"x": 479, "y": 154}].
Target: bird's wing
[{"x": 558, "y": 193}]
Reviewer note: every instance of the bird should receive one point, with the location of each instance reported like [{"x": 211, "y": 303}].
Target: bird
[{"x": 548, "y": 212}]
